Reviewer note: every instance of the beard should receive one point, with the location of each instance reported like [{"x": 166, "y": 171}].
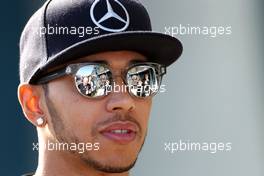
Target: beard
[{"x": 63, "y": 136}]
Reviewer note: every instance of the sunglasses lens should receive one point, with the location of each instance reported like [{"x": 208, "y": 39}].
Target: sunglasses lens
[
  {"x": 143, "y": 81},
  {"x": 93, "y": 80}
]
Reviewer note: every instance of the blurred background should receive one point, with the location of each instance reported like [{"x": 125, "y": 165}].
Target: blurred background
[{"x": 214, "y": 92}]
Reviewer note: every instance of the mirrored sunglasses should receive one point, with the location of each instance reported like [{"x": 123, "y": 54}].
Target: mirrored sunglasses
[{"x": 94, "y": 80}]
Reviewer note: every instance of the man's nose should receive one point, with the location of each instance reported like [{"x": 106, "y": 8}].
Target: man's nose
[{"x": 120, "y": 99}]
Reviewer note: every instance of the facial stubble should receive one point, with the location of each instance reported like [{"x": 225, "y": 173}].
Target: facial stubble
[{"x": 63, "y": 136}]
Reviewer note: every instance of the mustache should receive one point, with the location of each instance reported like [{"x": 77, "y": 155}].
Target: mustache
[{"x": 117, "y": 117}]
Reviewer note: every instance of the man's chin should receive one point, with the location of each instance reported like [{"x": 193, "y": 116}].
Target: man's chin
[
  {"x": 113, "y": 165},
  {"x": 108, "y": 168}
]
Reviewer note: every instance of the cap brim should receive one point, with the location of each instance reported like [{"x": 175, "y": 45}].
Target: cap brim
[{"x": 157, "y": 47}]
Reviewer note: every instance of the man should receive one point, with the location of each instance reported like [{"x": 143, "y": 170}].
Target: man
[{"x": 54, "y": 56}]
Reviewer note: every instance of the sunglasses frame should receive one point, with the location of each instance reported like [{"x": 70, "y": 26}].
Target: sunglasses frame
[{"x": 72, "y": 69}]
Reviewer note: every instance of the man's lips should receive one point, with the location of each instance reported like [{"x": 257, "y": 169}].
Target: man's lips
[{"x": 120, "y": 132}]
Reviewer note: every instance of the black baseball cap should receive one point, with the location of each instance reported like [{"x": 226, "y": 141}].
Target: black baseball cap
[{"x": 65, "y": 30}]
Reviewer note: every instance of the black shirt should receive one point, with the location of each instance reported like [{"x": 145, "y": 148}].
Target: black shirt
[{"x": 29, "y": 174}]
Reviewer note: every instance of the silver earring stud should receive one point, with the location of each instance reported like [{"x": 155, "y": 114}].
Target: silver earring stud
[{"x": 40, "y": 121}]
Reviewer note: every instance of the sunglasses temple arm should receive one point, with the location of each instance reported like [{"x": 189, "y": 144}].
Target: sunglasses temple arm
[
  {"x": 163, "y": 70},
  {"x": 52, "y": 76}
]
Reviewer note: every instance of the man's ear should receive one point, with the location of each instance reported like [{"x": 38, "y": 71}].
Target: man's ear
[{"x": 29, "y": 97}]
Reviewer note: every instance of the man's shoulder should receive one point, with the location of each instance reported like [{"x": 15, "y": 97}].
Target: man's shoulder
[{"x": 28, "y": 174}]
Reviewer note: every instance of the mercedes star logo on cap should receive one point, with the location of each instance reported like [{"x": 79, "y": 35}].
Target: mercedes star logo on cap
[{"x": 110, "y": 14}]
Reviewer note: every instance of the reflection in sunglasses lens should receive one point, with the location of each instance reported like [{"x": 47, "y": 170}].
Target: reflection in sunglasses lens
[
  {"x": 93, "y": 80},
  {"x": 97, "y": 81},
  {"x": 142, "y": 81}
]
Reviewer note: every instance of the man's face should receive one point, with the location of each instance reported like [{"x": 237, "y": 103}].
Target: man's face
[
  {"x": 85, "y": 81},
  {"x": 73, "y": 118}
]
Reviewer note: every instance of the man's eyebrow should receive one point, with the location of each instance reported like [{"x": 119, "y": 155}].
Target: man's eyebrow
[
  {"x": 102, "y": 61},
  {"x": 96, "y": 61},
  {"x": 134, "y": 61}
]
